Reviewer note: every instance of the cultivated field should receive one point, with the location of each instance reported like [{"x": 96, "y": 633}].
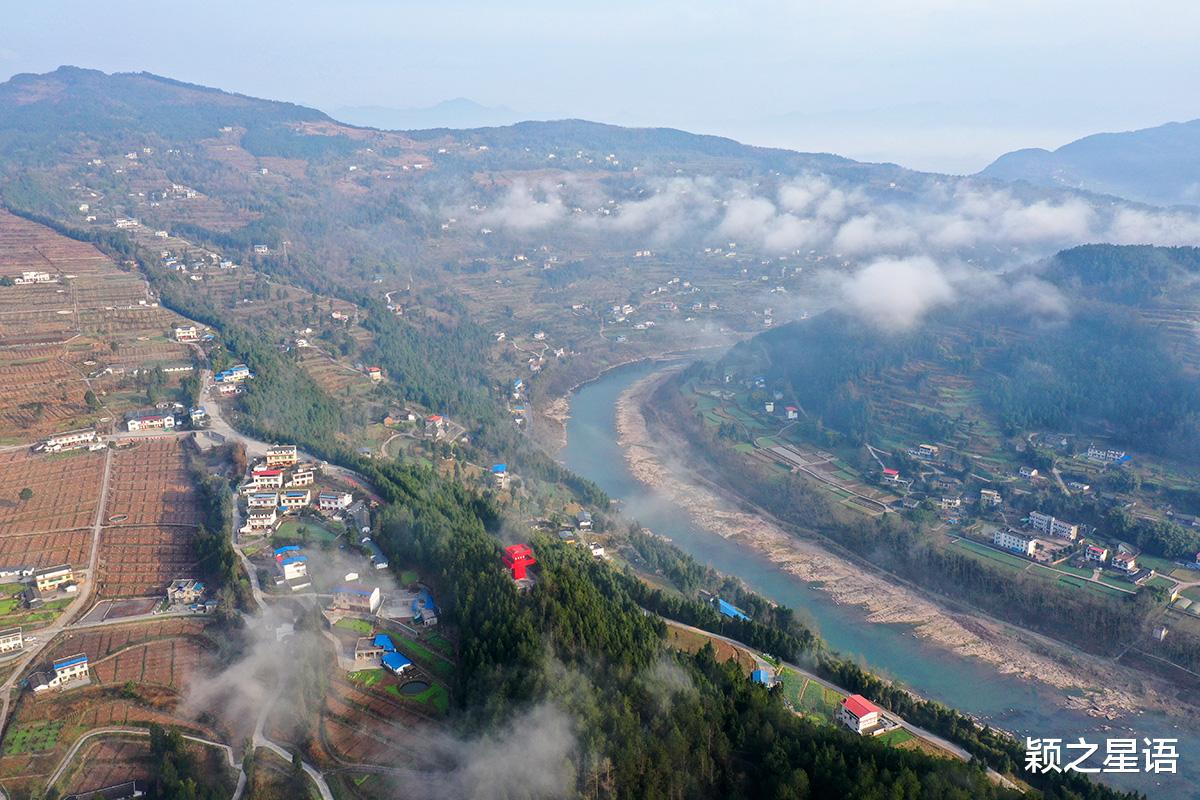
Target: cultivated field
[
  {"x": 106, "y": 762},
  {"x": 53, "y": 526},
  {"x": 138, "y": 561},
  {"x": 150, "y": 485}
]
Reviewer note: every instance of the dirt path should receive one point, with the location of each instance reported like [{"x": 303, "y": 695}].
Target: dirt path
[{"x": 1106, "y": 690}]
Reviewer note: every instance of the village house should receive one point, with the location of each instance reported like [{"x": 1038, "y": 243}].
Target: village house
[
  {"x": 334, "y": 501},
  {"x": 266, "y": 479},
  {"x": 424, "y": 610},
  {"x": 186, "y": 333},
  {"x": 357, "y": 599},
  {"x": 235, "y": 374},
  {"x": 260, "y": 520},
  {"x": 263, "y": 500},
  {"x": 1126, "y": 562},
  {"x": 149, "y": 421},
  {"x": 951, "y": 502},
  {"x": 185, "y": 591},
  {"x": 282, "y": 455},
  {"x": 51, "y": 578},
  {"x": 500, "y": 476},
  {"x": 1015, "y": 541},
  {"x": 1103, "y": 455},
  {"x": 583, "y": 520},
  {"x": 769, "y": 406},
  {"x": 294, "y": 499},
  {"x": 80, "y": 437},
  {"x": 376, "y": 556},
  {"x": 891, "y": 475},
  {"x": 860, "y": 715},
  {"x": 375, "y": 374},
  {"x": 989, "y": 498},
  {"x": 62, "y": 672},
  {"x": 1096, "y": 553},
  {"x": 435, "y": 426},
  {"x": 368, "y": 652},
  {"x": 301, "y": 477},
  {"x": 11, "y": 640},
  {"x": 927, "y": 451},
  {"x": 1028, "y": 472},
  {"x": 1047, "y": 524}
]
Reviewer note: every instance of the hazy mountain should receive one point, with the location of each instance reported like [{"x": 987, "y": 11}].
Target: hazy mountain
[
  {"x": 1155, "y": 165},
  {"x": 457, "y": 113}
]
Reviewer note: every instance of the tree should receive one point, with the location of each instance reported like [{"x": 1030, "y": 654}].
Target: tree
[
  {"x": 89, "y": 397},
  {"x": 26, "y": 494}
]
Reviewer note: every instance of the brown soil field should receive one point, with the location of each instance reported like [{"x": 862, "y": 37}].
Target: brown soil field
[
  {"x": 109, "y": 761},
  {"x": 149, "y": 485},
  {"x": 139, "y": 561},
  {"x": 99, "y": 643}
]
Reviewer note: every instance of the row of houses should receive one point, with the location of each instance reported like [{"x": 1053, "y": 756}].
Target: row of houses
[{"x": 69, "y": 440}]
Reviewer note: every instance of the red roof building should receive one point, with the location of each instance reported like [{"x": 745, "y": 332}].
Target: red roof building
[
  {"x": 518, "y": 558},
  {"x": 859, "y": 714}
]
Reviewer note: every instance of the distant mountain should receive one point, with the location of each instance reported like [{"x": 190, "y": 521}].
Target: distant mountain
[
  {"x": 457, "y": 113},
  {"x": 1154, "y": 165}
]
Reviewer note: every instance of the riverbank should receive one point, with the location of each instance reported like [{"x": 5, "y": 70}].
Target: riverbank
[{"x": 1088, "y": 684}]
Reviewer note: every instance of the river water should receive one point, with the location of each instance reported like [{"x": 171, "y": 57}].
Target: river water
[{"x": 965, "y": 683}]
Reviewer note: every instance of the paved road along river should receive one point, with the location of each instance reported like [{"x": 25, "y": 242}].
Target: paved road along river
[{"x": 969, "y": 685}]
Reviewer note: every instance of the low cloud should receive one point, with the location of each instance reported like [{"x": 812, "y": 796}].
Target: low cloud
[{"x": 893, "y": 293}]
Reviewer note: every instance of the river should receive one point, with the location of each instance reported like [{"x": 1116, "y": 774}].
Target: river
[{"x": 1023, "y": 707}]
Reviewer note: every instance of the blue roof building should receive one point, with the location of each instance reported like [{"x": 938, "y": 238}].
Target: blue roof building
[
  {"x": 424, "y": 601},
  {"x": 71, "y": 661},
  {"x": 384, "y": 641},
  {"x": 730, "y": 610},
  {"x": 294, "y": 560},
  {"x": 395, "y": 662},
  {"x": 289, "y": 548},
  {"x": 760, "y": 676},
  {"x": 499, "y": 469}
]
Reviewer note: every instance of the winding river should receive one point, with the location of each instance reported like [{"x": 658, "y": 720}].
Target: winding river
[{"x": 1016, "y": 705}]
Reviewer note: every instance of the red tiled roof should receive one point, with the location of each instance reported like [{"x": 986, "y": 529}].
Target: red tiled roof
[
  {"x": 890, "y": 471},
  {"x": 859, "y": 706}
]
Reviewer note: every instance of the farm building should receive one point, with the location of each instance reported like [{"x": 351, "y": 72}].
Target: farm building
[
  {"x": 726, "y": 609},
  {"x": 51, "y": 578},
  {"x": 149, "y": 421},
  {"x": 424, "y": 610},
  {"x": 185, "y": 591},
  {"x": 62, "y": 672},
  {"x": 395, "y": 662},
  {"x": 357, "y": 599},
  {"x": 860, "y": 715},
  {"x": 518, "y": 558},
  {"x": 500, "y": 476},
  {"x": 334, "y": 501},
  {"x": 367, "y": 652},
  {"x": 378, "y": 559},
  {"x": 283, "y": 455},
  {"x": 70, "y": 439},
  {"x": 11, "y": 640}
]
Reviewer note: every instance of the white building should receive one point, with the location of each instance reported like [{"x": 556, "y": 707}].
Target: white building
[
  {"x": 989, "y": 498},
  {"x": 1126, "y": 562},
  {"x": 860, "y": 715},
  {"x": 263, "y": 500},
  {"x": 302, "y": 477},
  {"x": 294, "y": 499},
  {"x": 150, "y": 421},
  {"x": 334, "y": 501},
  {"x": 51, "y": 578},
  {"x": 186, "y": 333},
  {"x": 63, "y": 671},
  {"x": 267, "y": 479},
  {"x": 260, "y": 520},
  {"x": 282, "y": 455},
  {"x": 70, "y": 439},
  {"x": 11, "y": 640},
  {"x": 1045, "y": 523},
  {"x": 1096, "y": 553},
  {"x": 1014, "y": 541}
]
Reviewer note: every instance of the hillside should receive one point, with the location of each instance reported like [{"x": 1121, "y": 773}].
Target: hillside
[{"x": 1158, "y": 165}]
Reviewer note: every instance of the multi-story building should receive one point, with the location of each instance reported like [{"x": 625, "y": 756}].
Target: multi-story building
[
  {"x": 1096, "y": 553},
  {"x": 263, "y": 500},
  {"x": 51, "y": 578},
  {"x": 860, "y": 715},
  {"x": 185, "y": 591},
  {"x": 235, "y": 374},
  {"x": 80, "y": 437},
  {"x": 282, "y": 455},
  {"x": 301, "y": 477},
  {"x": 260, "y": 520},
  {"x": 294, "y": 499},
  {"x": 1015, "y": 541},
  {"x": 1126, "y": 562},
  {"x": 357, "y": 599},
  {"x": 1047, "y": 524},
  {"x": 11, "y": 640},
  {"x": 267, "y": 478},
  {"x": 150, "y": 421},
  {"x": 334, "y": 501},
  {"x": 989, "y": 498},
  {"x": 186, "y": 333}
]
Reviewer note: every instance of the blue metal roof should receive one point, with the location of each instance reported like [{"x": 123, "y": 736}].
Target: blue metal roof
[
  {"x": 424, "y": 600},
  {"x": 71, "y": 661},
  {"x": 498, "y": 468},
  {"x": 287, "y": 548},
  {"x": 730, "y": 610},
  {"x": 384, "y": 641},
  {"x": 294, "y": 560},
  {"x": 761, "y": 676},
  {"x": 395, "y": 661}
]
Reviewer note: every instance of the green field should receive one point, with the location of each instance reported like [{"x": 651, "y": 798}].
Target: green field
[
  {"x": 408, "y": 577},
  {"x": 429, "y": 659},
  {"x": 303, "y": 530},
  {"x": 1007, "y": 559},
  {"x": 367, "y": 677},
  {"x": 359, "y": 626},
  {"x": 32, "y": 738},
  {"x": 435, "y": 696},
  {"x": 819, "y": 701},
  {"x": 898, "y": 736}
]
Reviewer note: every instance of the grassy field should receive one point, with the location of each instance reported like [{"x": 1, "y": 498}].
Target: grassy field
[
  {"x": 1006, "y": 559},
  {"x": 434, "y": 662},
  {"x": 896, "y": 737},
  {"x": 435, "y": 695},
  {"x": 819, "y": 701},
  {"x": 303, "y": 530},
  {"x": 359, "y": 626},
  {"x": 32, "y": 738},
  {"x": 367, "y": 677},
  {"x": 408, "y": 577}
]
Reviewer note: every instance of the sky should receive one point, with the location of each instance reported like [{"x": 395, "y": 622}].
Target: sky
[{"x": 944, "y": 85}]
